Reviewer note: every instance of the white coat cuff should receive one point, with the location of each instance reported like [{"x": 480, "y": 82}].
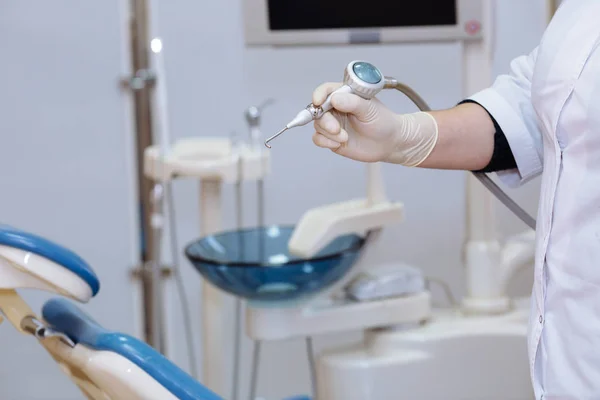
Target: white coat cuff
[{"x": 519, "y": 139}]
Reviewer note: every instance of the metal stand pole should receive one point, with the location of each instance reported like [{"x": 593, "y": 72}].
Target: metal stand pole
[
  {"x": 141, "y": 83},
  {"x": 239, "y": 208},
  {"x": 312, "y": 365},
  {"x": 255, "y": 364}
]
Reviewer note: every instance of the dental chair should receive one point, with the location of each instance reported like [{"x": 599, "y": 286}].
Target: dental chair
[{"x": 104, "y": 364}]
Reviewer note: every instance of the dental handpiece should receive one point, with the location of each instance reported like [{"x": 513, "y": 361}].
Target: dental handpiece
[{"x": 360, "y": 78}]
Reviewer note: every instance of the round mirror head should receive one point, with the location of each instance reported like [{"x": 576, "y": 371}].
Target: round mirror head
[{"x": 367, "y": 72}]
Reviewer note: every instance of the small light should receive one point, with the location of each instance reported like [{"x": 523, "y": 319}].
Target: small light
[
  {"x": 278, "y": 259},
  {"x": 273, "y": 231},
  {"x": 156, "y": 45}
]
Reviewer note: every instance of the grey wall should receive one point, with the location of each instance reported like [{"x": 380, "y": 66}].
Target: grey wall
[
  {"x": 65, "y": 157},
  {"x": 67, "y": 161}
]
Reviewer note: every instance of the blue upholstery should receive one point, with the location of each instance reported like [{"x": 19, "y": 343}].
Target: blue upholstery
[
  {"x": 16, "y": 238},
  {"x": 67, "y": 318}
]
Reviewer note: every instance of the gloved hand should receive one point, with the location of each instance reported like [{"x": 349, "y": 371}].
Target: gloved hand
[{"x": 368, "y": 131}]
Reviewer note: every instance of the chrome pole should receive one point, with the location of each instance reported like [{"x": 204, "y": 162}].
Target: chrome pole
[
  {"x": 239, "y": 208},
  {"x": 141, "y": 83},
  {"x": 312, "y": 365},
  {"x": 254, "y": 371}
]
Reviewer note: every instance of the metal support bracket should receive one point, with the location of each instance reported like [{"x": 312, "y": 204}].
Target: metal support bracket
[
  {"x": 140, "y": 80},
  {"x": 152, "y": 285},
  {"x": 38, "y": 329},
  {"x": 139, "y": 271}
]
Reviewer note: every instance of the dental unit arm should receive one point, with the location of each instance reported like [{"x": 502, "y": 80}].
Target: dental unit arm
[{"x": 365, "y": 80}]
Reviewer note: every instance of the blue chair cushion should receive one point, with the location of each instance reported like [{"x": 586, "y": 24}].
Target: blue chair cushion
[
  {"x": 67, "y": 318},
  {"x": 16, "y": 238}
]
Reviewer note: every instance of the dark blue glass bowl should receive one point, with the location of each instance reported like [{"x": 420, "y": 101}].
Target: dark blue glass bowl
[{"x": 255, "y": 264}]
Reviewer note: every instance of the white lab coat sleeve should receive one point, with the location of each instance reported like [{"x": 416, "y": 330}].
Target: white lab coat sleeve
[{"x": 508, "y": 100}]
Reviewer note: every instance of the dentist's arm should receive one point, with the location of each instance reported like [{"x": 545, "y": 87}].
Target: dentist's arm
[
  {"x": 366, "y": 130},
  {"x": 495, "y": 130},
  {"x": 465, "y": 139}
]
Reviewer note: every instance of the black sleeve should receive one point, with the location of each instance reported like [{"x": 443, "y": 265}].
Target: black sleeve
[{"x": 502, "y": 157}]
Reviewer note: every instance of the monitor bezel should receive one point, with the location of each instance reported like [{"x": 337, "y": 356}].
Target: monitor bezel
[{"x": 257, "y": 32}]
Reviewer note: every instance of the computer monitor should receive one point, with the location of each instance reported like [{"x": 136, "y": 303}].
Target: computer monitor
[{"x": 338, "y": 22}]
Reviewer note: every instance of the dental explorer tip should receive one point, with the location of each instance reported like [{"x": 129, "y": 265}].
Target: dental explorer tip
[{"x": 274, "y": 136}]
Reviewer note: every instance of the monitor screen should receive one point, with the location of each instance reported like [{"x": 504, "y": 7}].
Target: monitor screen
[{"x": 353, "y": 14}]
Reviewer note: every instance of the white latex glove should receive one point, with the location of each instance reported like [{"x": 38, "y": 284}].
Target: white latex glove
[{"x": 368, "y": 131}]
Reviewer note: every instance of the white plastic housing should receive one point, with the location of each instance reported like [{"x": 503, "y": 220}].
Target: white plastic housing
[
  {"x": 207, "y": 158},
  {"x": 21, "y": 269},
  {"x": 450, "y": 357},
  {"x": 489, "y": 268},
  {"x": 319, "y": 226},
  {"x": 109, "y": 375},
  {"x": 334, "y": 316}
]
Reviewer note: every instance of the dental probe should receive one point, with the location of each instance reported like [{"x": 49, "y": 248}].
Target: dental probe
[
  {"x": 365, "y": 80},
  {"x": 360, "y": 78}
]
